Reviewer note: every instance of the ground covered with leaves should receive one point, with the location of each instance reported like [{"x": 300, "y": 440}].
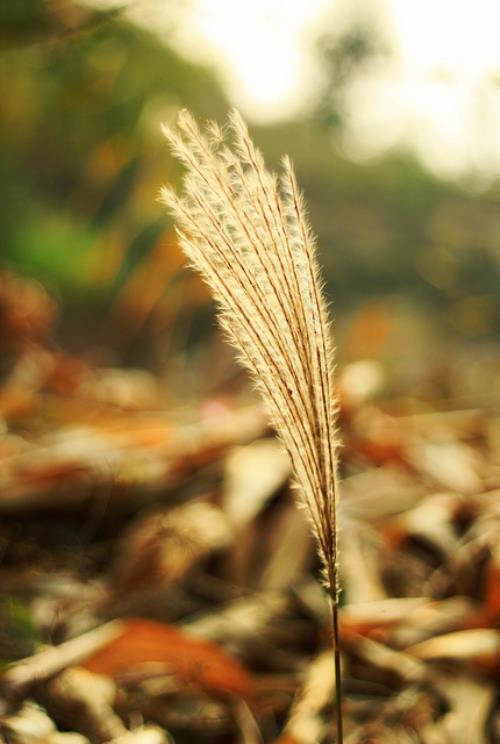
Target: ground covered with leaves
[{"x": 159, "y": 584}]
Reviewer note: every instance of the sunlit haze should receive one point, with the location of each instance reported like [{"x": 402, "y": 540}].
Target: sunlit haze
[
  {"x": 436, "y": 91},
  {"x": 265, "y": 52}
]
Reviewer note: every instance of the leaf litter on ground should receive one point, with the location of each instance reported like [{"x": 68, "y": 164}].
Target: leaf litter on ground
[{"x": 158, "y": 583}]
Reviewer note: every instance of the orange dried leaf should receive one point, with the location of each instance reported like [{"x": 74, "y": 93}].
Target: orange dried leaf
[{"x": 202, "y": 663}]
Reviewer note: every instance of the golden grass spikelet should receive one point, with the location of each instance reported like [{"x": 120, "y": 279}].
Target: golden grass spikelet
[{"x": 246, "y": 232}]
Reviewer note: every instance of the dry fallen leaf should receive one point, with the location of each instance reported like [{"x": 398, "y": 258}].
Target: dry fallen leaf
[
  {"x": 163, "y": 546},
  {"x": 361, "y": 549},
  {"x": 290, "y": 549},
  {"x": 479, "y": 647},
  {"x": 31, "y": 725},
  {"x": 84, "y": 701},
  {"x": 144, "y": 735},
  {"x": 362, "y": 618},
  {"x": 252, "y": 475},
  {"x": 470, "y": 704},
  {"x": 453, "y": 465},
  {"x": 398, "y": 664},
  {"x": 54, "y": 659},
  {"x": 246, "y": 618},
  {"x": 146, "y": 647},
  {"x": 432, "y": 521},
  {"x": 420, "y": 554},
  {"x": 307, "y": 721}
]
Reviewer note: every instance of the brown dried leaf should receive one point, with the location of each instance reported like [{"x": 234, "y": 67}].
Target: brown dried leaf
[
  {"x": 137, "y": 453},
  {"x": 165, "y": 545},
  {"x": 26, "y": 310}
]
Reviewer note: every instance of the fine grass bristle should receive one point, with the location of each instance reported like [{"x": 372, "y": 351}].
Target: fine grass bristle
[{"x": 245, "y": 231}]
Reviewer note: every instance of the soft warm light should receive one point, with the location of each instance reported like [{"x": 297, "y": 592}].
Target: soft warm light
[
  {"x": 263, "y": 50},
  {"x": 437, "y": 91}
]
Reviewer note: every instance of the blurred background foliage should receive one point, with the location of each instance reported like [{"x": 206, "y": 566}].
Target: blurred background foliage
[{"x": 82, "y": 160}]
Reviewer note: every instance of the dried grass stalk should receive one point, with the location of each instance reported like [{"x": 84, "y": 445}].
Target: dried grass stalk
[{"x": 245, "y": 231}]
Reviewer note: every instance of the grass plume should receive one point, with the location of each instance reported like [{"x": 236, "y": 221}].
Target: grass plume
[{"x": 245, "y": 230}]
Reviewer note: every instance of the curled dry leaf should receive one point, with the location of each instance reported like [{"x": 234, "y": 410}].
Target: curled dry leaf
[{"x": 247, "y": 725}]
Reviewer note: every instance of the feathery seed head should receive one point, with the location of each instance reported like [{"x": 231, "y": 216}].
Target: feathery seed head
[{"x": 246, "y": 232}]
